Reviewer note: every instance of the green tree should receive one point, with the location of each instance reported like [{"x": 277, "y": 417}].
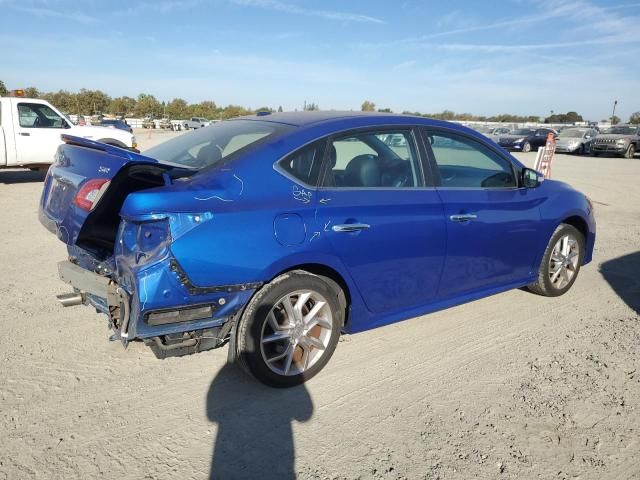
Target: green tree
[
  {"x": 206, "y": 109},
  {"x": 3, "y": 89},
  {"x": 122, "y": 105},
  {"x": 615, "y": 120},
  {"x": 385, "y": 110},
  {"x": 368, "y": 106},
  {"x": 231, "y": 111},
  {"x": 635, "y": 118},
  {"x": 147, "y": 105},
  {"x": 62, "y": 99},
  {"x": 280, "y": 108},
  {"x": 309, "y": 107},
  {"x": 177, "y": 109},
  {"x": 90, "y": 102},
  {"x": 31, "y": 92}
]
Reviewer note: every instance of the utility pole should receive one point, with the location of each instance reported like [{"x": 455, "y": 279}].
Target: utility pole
[{"x": 613, "y": 114}]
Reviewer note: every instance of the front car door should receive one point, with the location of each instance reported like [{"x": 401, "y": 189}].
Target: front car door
[
  {"x": 491, "y": 221},
  {"x": 383, "y": 217},
  {"x": 37, "y": 133}
]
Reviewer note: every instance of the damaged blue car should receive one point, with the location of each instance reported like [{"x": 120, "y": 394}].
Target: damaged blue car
[{"x": 276, "y": 233}]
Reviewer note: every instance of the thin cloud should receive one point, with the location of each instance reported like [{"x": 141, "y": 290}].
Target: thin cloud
[
  {"x": 162, "y": 7},
  {"x": 47, "y": 12},
  {"x": 310, "y": 12}
]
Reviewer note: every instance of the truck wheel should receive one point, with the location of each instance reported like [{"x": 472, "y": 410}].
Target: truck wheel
[
  {"x": 631, "y": 151},
  {"x": 289, "y": 330}
]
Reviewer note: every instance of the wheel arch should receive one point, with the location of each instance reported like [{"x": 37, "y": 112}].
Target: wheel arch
[
  {"x": 580, "y": 224},
  {"x": 331, "y": 275},
  {"x": 113, "y": 142}
]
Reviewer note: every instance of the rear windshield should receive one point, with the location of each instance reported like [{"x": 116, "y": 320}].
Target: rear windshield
[{"x": 208, "y": 146}]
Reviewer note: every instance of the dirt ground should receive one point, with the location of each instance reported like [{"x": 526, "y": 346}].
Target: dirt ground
[{"x": 511, "y": 386}]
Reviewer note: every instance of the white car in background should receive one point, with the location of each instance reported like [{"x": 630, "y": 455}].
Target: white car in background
[{"x": 195, "y": 122}]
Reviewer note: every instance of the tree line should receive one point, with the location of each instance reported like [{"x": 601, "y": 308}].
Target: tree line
[{"x": 90, "y": 102}]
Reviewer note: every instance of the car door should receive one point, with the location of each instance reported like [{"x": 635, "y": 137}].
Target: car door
[
  {"x": 383, "y": 217},
  {"x": 37, "y": 132},
  {"x": 491, "y": 221}
]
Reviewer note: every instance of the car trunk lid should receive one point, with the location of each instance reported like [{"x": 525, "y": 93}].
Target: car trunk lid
[{"x": 86, "y": 173}]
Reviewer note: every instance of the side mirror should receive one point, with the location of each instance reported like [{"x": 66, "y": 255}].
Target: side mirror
[{"x": 530, "y": 178}]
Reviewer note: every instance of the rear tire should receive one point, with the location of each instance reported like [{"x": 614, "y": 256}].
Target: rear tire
[
  {"x": 289, "y": 330},
  {"x": 560, "y": 263}
]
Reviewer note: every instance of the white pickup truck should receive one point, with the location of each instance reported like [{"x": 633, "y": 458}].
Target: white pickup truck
[{"x": 30, "y": 132}]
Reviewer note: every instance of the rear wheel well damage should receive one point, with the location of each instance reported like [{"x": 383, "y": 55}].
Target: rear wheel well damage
[{"x": 330, "y": 276}]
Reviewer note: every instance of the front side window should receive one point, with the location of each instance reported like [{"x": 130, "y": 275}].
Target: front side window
[
  {"x": 466, "y": 163},
  {"x": 373, "y": 160},
  {"x": 37, "y": 115}
]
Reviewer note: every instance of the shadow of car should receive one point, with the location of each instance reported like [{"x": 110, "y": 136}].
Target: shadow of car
[{"x": 623, "y": 274}]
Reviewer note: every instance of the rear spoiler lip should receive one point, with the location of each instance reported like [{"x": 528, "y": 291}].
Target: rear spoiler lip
[{"x": 128, "y": 154}]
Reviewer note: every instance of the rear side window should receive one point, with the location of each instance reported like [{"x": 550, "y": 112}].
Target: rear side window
[
  {"x": 466, "y": 163},
  {"x": 305, "y": 164}
]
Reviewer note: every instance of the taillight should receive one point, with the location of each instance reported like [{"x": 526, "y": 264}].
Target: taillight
[{"x": 88, "y": 193}]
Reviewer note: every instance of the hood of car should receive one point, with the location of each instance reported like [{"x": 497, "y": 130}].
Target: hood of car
[
  {"x": 612, "y": 136},
  {"x": 568, "y": 141},
  {"x": 96, "y": 132}
]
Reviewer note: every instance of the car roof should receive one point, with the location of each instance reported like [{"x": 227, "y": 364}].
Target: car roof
[{"x": 339, "y": 120}]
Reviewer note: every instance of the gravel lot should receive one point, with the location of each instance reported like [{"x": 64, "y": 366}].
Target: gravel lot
[{"x": 512, "y": 386}]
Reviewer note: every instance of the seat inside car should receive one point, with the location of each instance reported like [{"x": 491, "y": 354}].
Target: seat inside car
[{"x": 363, "y": 171}]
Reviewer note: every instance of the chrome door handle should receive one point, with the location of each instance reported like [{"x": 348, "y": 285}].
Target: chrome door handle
[
  {"x": 350, "y": 227},
  {"x": 24, "y": 134},
  {"x": 463, "y": 217}
]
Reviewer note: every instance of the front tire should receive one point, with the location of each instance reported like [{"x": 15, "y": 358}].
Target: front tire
[
  {"x": 560, "y": 263},
  {"x": 526, "y": 147},
  {"x": 631, "y": 151},
  {"x": 289, "y": 330}
]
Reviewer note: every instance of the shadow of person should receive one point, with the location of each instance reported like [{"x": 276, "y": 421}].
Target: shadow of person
[
  {"x": 623, "y": 274},
  {"x": 22, "y": 176},
  {"x": 255, "y": 437}
]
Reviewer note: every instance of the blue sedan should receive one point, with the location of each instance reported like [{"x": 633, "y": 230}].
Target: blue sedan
[{"x": 275, "y": 233}]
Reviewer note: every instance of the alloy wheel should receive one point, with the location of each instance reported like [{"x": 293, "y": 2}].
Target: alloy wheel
[
  {"x": 296, "y": 333},
  {"x": 563, "y": 263}
]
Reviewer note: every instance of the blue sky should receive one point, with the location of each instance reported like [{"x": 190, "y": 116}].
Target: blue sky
[{"x": 515, "y": 56}]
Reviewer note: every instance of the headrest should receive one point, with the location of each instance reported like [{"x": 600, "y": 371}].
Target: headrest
[
  {"x": 333, "y": 156},
  {"x": 363, "y": 171}
]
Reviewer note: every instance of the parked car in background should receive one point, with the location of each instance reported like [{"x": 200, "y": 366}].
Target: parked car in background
[
  {"x": 500, "y": 131},
  {"x": 165, "y": 123},
  {"x": 575, "y": 140},
  {"x": 273, "y": 234},
  {"x": 195, "y": 122},
  {"x": 525, "y": 139},
  {"x": 148, "y": 122},
  {"x": 621, "y": 140},
  {"x": 30, "y": 131},
  {"x": 120, "y": 124}
]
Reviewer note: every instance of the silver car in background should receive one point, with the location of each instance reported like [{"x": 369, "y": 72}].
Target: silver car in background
[{"x": 575, "y": 140}]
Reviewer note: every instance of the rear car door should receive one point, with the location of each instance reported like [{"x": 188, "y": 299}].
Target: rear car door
[
  {"x": 383, "y": 217},
  {"x": 491, "y": 221}
]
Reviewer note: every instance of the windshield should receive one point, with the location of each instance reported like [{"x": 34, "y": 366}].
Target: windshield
[
  {"x": 571, "y": 133},
  {"x": 522, "y": 131},
  {"x": 207, "y": 146},
  {"x": 622, "y": 130}
]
